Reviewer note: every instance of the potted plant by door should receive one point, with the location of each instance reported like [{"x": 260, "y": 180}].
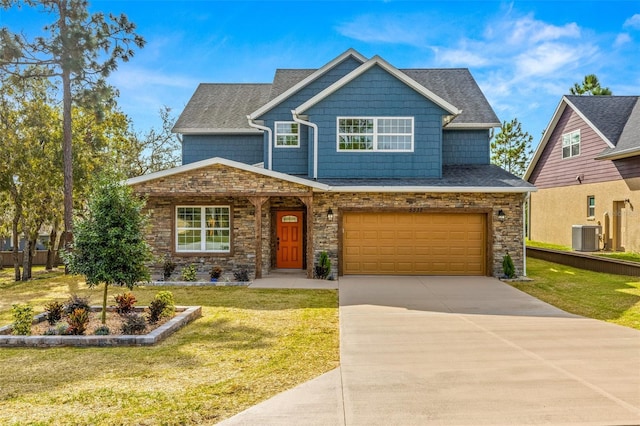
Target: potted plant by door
[{"x": 216, "y": 273}]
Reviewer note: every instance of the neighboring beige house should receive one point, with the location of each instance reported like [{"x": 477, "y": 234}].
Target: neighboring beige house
[{"x": 587, "y": 171}]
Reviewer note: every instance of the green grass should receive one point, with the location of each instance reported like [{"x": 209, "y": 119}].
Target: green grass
[
  {"x": 607, "y": 297},
  {"x": 628, "y": 256},
  {"x": 250, "y": 344},
  {"x": 538, "y": 244}
]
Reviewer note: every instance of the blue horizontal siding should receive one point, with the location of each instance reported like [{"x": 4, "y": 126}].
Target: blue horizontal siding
[
  {"x": 247, "y": 149},
  {"x": 295, "y": 160},
  {"x": 465, "y": 147},
  {"x": 376, "y": 93}
]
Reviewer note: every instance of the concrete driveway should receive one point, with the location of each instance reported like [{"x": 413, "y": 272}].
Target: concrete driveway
[{"x": 463, "y": 351}]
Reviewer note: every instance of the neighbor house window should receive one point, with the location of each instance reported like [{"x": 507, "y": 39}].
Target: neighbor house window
[
  {"x": 571, "y": 144},
  {"x": 203, "y": 229},
  {"x": 388, "y": 134},
  {"x": 591, "y": 206},
  {"x": 287, "y": 134}
]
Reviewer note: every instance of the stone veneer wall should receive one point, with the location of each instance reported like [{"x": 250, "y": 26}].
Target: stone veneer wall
[
  {"x": 160, "y": 236},
  {"x": 507, "y": 235}
]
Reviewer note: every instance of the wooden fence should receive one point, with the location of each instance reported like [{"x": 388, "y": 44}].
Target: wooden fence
[
  {"x": 586, "y": 261},
  {"x": 40, "y": 258}
]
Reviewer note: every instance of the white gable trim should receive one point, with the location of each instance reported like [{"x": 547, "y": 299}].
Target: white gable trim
[
  {"x": 230, "y": 163},
  {"x": 377, "y": 60},
  {"x": 314, "y": 76},
  {"x": 564, "y": 102}
]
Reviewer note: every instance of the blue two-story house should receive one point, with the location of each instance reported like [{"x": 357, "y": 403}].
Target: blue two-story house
[{"x": 385, "y": 169}]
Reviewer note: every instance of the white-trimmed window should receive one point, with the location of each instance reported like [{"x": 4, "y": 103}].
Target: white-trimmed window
[
  {"x": 571, "y": 144},
  {"x": 591, "y": 206},
  {"x": 203, "y": 229},
  {"x": 287, "y": 134},
  {"x": 387, "y": 134}
]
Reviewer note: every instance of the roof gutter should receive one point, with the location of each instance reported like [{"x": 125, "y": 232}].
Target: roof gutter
[
  {"x": 297, "y": 119},
  {"x": 268, "y": 130}
]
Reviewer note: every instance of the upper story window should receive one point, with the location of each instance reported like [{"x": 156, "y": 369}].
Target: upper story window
[
  {"x": 571, "y": 144},
  {"x": 203, "y": 229},
  {"x": 388, "y": 134},
  {"x": 287, "y": 134}
]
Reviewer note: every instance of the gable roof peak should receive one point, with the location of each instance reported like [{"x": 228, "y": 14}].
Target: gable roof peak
[{"x": 351, "y": 52}]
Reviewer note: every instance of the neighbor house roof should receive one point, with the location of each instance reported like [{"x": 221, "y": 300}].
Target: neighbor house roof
[
  {"x": 222, "y": 108},
  {"x": 616, "y": 119}
]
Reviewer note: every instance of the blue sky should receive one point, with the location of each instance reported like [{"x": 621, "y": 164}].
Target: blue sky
[{"x": 524, "y": 54}]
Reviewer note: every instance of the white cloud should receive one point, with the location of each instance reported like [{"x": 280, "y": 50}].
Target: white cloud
[
  {"x": 463, "y": 57},
  {"x": 622, "y": 38},
  {"x": 397, "y": 29},
  {"x": 633, "y": 22},
  {"x": 548, "y": 58},
  {"x": 529, "y": 30}
]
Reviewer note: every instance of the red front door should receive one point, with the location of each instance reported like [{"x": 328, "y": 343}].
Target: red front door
[{"x": 289, "y": 240}]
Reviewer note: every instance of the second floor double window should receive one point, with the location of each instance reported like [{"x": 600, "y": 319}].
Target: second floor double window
[
  {"x": 571, "y": 144},
  {"x": 287, "y": 134},
  {"x": 388, "y": 134}
]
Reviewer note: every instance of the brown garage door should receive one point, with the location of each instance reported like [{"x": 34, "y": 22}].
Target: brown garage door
[{"x": 414, "y": 243}]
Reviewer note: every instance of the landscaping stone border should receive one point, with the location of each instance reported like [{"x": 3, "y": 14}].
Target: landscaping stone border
[{"x": 184, "y": 315}]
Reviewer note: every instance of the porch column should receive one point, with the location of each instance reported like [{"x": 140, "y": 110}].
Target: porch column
[
  {"x": 308, "y": 202},
  {"x": 257, "y": 203}
]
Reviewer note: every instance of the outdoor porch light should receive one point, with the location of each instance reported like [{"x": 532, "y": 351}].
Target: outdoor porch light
[
  {"x": 501, "y": 215},
  {"x": 330, "y": 215}
]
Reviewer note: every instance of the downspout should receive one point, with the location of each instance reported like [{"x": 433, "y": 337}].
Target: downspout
[
  {"x": 297, "y": 119},
  {"x": 268, "y": 130},
  {"x": 525, "y": 203}
]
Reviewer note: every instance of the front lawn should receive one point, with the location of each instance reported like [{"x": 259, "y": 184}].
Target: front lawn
[
  {"x": 249, "y": 345},
  {"x": 607, "y": 297}
]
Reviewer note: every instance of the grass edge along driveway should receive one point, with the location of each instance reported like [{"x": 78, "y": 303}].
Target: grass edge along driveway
[
  {"x": 249, "y": 345},
  {"x": 607, "y": 297}
]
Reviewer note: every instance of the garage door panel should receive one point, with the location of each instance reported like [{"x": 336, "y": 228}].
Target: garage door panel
[{"x": 414, "y": 243}]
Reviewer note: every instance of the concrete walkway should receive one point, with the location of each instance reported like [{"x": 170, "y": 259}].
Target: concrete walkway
[{"x": 463, "y": 351}]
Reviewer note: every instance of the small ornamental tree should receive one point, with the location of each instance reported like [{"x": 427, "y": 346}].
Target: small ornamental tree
[{"x": 109, "y": 245}]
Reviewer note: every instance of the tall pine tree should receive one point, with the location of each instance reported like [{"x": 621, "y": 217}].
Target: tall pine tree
[{"x": 511, "y": 148}]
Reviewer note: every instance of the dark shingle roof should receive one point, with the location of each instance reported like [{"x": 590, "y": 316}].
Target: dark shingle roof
[
  {"x": 225, "y": 106},
  {"x": 221, "y": 106},
  {"x": 609, "y": 114},
  {"x": 458, "y": 87},
  {"x": 465, "y": 176},
  {"x": 287, "y": 78}
]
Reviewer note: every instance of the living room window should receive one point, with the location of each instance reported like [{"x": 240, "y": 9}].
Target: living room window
[
  {"x": 287, "y": 134},
  {"x": 591, "y": 206},
  {"x": 387, "y": 134},
  {"x": 571, "y": 144},
  {"x": 203, "y": 229}
]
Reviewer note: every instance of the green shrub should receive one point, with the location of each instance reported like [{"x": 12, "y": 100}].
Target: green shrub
[
  {"x": 189, "y": 273},
  {"x": 156, "y": 308},
  {"x": 170, "y": 303},
  {"x": 241, "y": 275},
  {"x": 125, "y": 302},
  {"x": 76, "y": 302},
  {"x": 62, "y": 328},
  {"x": 324, "y": 266},
  {"x": 53, "y": 312},
  {"x": 168, "y": 267},
  {"x": 507, "y": 266},
  {"x": 103, "y": 330},
  {"x": 133, "y": 324},
  {"x": 22, "y": 319},
  {"x": 78, "y": 320}
]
